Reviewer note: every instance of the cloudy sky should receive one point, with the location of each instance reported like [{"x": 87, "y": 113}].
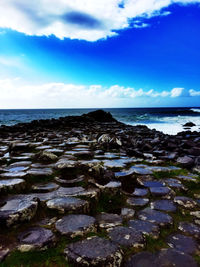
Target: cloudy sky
[{"x": 99, "y": 53}]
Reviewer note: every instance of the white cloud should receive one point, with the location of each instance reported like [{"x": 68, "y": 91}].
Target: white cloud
[
  {"x": 89, "y": 20},
  {"x": 14, "y": 93},
  {"x": 193, "y": 92}
]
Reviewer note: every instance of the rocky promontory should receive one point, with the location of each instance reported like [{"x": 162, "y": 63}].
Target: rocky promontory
[{"x": 91, "y": 191}]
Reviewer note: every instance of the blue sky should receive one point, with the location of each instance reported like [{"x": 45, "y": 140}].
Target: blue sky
[{"x": 134, "y": 53}]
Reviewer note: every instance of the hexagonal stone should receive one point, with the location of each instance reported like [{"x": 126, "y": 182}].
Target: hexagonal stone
[
  {"x": 126, "y": 237},
  {"x": 114, "y": 164},
  {"x": 35, "y": 238},
  {"x": 155, "y": 216},
  {"x": 127, "y": 213},
  {"x": 40, "y": 172},
  {"x": 142, "y": 259},
  {"x": 137, "y": 202},
  {"x": 145, "y": 227},
  {"x": 69, "y": 182},
  {"x": 141, "y": 171},
  {"x": 13, "y": 174},
  {"x": 63, "y": 204},
  {"x": 140, "y": 192},
  {"x": 159, "y": 191},
  {"x": 48, "y": 187},
  {"x": 108, "y": 220},
  {"x": 172, "y": 257},
  {"x": 16, "y": 168},
  {"x": 17, "y": 208},
  {"x": 183, "y": 243},
  {"x": 190, "y": 229},
  {"x": 185, "y": 202},
  {"x": 73, "y": 225},
  {"x": 149, "y": 183},
  {"x": 11, "y": 184},
  {"x": 164, "y": 205},
  {"x": 187, "y": 178},
  {"x": 174, "y": 183},
  {"x": 94, "y": 251}
]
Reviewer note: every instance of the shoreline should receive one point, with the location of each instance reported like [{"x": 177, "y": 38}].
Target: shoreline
[{"x": 70, "y": 187}]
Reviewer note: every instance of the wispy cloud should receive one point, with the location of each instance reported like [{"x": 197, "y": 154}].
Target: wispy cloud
[
  {"x": 16, "y": 94},
  {"x": 90, "y": 20}
]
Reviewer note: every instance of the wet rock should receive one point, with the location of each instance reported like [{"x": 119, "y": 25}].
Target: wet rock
[
  {"x": 139, "y": 192},
  {"x": 172, "y": 257},
  {"x": 13, "y": 175},
  {"x": 142, "y": 259},
  {"x": 12, "y": 184},
  {"x": 74, "y": 225},
  {"x": 155, "y": 216},
  {"x": 185, "y": 202},
  {"x": 45, "y": 156},
  {"x": 145, "y": 227},
  {"x": 137, "y": 202},
  {"x": 186, "y": 162},
  {"x": 17, "y": 209},
  {"x": 64, "y": 163},
  {"x": 36, "y": 238},
  {"x": 126, "y": 237},
  {"x": 16, "y": 169},
  {"x": 108, "y": 220},
  {"x": 149, "y": 183},
  {"x": 127, "y": 213},
  {"x": 159, "y": 191},
  {"x": 190, "y": 229},
  {"x": 164, "y": 205},
  {"x": 141, "y": 171},
  {"x": 183, "y": 243},
  {"x": 187, "y": 178},
  {"x": 45, "y": 187},
  {"x": 174, "y": 183},
  {"x": 63, "y": 204},
  {"x": 94, "y": 251},
  {"x": 40, "y": 172}
]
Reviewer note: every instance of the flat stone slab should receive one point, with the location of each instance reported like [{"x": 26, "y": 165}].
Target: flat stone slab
[
  {"x": 68, "y": 182},
  {"x": 141, "y": 171},
  {"x": 114, "y": 164},
  {"x": 171, "y": 257},
  {"x": 48, "y": 187},
  {"x": 159, "y": 191},
  {"x": 174, "y": 183},
  {"x": 13, "y": 174},
  {"x": 108, "y": 220},
  {"x": 36, "y": 238},
  {"x": 155, "y": 216},
  {"x": 16, "y": 168},
  {"x": 186, "y": 178},
  {"x": 11, "y": 184},
  {"x": 127, "y": 213},
  {"x": 73, "y": 225},
  {"x": 145, "y": 227},
  {"x": 185, "y": 202},
  {"x": 190, "y": 229},
  {"x": 63, "y": 204},
  {"x": 137, "y": 202},
  {"x": 142, "y": 259},
  {"x": 183, "y": 243},
  {"x": 127, "y": 237},
  {"x": 140, "y": 192},
  {"x": 149, "y": 183},
  {"x": 40, "y": 172},
  {"x": 94, "y": 251},
  {"x": 65, "y": 164},
  {"x": 164, "y": 205},
  {"x": 17, "y": 209}
]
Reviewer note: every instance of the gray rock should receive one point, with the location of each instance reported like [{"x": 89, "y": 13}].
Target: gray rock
[
  {"x": 140, "y": 192},
  {"x": 73, "y": 225},
  {"x": 40, "y": 172},
  {"x": 185, "y": 202},
  {"x": 94, "y": 251},
  {"x": 183, "y": 243},
  {"x": 126, "y": 237},
  {"x": 36, "y": 238},
  {"x": 141, "y": 171},
  {"x": 137, "y": 202},
  {"x": 141, "y": 259},
  {"x": 155, "y": 216},
  {"x": 63, "y": 204},
  {"x": 45, "y": 187},
  {"x": 108, "y": 220},
  {"x": 127, "y": 213},
  {"x": 190, "y": 229},
  {"x": 145, "y": 227},
  {"x": 159, "y": 191},
  {"x": 185, "y": 161},
  {"x": 163, "y": 205},
  {"x": 17, "y": 209},
  {"x": 12, "y": 184}
]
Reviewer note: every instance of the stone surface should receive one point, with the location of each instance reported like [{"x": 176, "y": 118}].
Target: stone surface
[
  {"x": 140, "y": 192},
  {"x": 108, "y": 220},
  {"x": 164, "y": 205},
  {"x": 126, "y": 237},
  {"x": 159, "y": 191},
  {"x": 137, "y": 202},
  {"x": 72, "y": 204},
  {"x": 190, "y": 229},
  {"x": 17, "y": 209},
  {"x": 73, "y": 225},
  {"x": 183, "y": 243},
  {"x": 36, "y": 238},
  {"x": 48, "y": 187},
  {"x": 127, "y": 213},
  {"x": 94, "y": 251},
  {"x": 142, "y": 259},
  {"x": 145, "y": 227},
  {"x": 155, "y": 216},
  {"x": 185, "y": 202},
  {"x": 11, "y": 184}
]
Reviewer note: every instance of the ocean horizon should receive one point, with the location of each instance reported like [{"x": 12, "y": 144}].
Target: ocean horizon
[{"x": 167, "y": 120}]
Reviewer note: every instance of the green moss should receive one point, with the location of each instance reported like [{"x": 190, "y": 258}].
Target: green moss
[
  {"x": 169, "y": 174},
  {"x": 51, "y": 257},
  {"x": 154, "y": 245}
]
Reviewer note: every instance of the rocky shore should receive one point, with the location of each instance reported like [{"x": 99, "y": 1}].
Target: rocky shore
[{"x": 91, "y": 191}]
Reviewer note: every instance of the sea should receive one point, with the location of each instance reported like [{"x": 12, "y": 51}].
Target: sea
[{"x": 167, "y": 120}]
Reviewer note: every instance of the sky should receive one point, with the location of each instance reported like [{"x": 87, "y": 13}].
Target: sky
[{"x": 99, "y": 53}]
